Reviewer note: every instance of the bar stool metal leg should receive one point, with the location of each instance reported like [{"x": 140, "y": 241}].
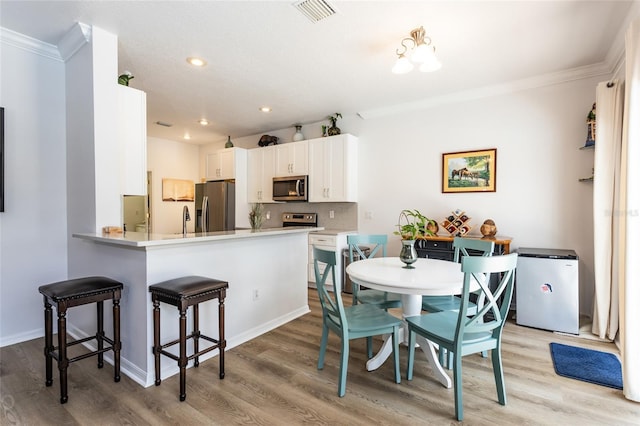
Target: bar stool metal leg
[
  {"x": 222, "y": 342},
  {"x": 182, "y": 362},
  {"x": 156, "y": 338},
  {"x": 48, "y": 342},
  {"x": 100, "y": 332},
  {"x": 63, "y": 361},
  {"x": 117, "y": 344},
  {"x": 196, "y": 334}
]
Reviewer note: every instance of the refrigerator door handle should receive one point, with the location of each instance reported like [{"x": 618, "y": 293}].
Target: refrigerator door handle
[{"x": 205, "y": 213}]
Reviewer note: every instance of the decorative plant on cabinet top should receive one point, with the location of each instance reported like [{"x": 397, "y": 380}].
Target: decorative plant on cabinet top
[{"x": 333, "y": 129}]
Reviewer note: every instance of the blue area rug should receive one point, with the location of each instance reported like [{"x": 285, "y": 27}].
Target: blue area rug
[{"x": 591, "y": 366}]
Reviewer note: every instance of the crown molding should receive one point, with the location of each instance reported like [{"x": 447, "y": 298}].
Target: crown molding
[
  {"x": 74, "y": 39},
  {"x": 29, "y": 44},
  {"x": 599, "y": 69}
]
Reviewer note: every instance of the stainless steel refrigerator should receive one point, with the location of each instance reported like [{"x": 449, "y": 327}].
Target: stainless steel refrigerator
[{"x": 215, "y": 206}]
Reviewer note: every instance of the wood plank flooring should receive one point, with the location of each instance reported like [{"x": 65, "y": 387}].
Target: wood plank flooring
[{"x": 273, "y": 380}]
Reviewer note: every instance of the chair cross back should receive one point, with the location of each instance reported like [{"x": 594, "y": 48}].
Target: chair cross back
[
  {"x": 379, "y": 242},
  {"x": 478, "y": 269},
  {"x": 332, "y": 304},
  {"x": 462, "y": 245}
]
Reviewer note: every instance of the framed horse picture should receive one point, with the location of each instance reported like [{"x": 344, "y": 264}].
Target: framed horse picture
[{"x": 469, "y": 171}]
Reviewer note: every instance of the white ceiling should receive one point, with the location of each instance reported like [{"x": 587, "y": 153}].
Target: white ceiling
[{"x": 267, "y": 53}]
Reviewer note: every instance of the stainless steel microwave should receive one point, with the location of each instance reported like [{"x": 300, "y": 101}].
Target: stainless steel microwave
[{"x": 290, "y": 188}]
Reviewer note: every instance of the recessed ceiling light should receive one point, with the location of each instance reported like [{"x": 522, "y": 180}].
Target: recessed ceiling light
[
  {"x": 196, "y": 62},
  {"x": 187, "y": 136},
  {"x": 265, "y": 109},
  {"x": 203, "y": 122}
]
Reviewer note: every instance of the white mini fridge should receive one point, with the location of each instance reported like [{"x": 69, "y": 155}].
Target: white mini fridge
[{"x": 547, "y": 287}]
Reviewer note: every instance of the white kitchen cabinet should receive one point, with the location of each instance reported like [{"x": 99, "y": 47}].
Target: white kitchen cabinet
[
  {"x": 132, "y": 139},
  {"x": 221, "y": 165},
  {"x": 333, "y": 169},
  {"x": 292, "y": 159},
  {"x": 261, "y": 169},
  {"x": 328, "y": 240}
]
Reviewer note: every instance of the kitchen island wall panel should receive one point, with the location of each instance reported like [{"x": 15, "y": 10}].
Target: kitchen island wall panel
[{"x": 271, "y": 264}]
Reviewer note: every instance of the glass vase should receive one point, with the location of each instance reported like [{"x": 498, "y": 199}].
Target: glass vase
[{"x": 408, "y": 253}]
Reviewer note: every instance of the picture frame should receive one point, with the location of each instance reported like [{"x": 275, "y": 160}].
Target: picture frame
[
  {"x": 469, "y": 171},
  {"x": 177, "y": 190}
]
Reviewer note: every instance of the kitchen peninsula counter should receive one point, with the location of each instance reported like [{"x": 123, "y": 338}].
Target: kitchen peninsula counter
[
  {"x": 266, "y": 271},
  {"x": 144, "y": 239}
]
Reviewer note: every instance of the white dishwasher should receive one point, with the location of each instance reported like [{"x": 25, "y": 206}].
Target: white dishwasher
[{"x": 333, "y": 240}]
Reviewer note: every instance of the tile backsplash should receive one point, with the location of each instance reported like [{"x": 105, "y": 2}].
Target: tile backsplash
[{"x": 345, "y": 215}]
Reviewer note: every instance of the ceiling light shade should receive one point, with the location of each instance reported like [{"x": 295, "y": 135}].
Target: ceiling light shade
[
  {"x": 433, "y": 64},
  {"x": 423, "y": 52},
  {"x": 402, "y": 66}
]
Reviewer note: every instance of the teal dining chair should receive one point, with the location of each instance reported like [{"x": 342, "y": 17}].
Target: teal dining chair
[
  {"x": 461, "y": 247},
  {"x": 352, "y": 322},
  {"x": 377, "y": 243},
  {"x": 462, "y": 334}
]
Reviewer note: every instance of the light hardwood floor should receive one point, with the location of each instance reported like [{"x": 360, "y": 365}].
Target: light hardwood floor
[{"x": 273, "y": 380}]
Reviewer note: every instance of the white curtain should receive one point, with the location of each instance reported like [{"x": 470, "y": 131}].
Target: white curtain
[
  {"x": 629, "y": 259},
  {"x": 616, "y": 203},
  {"x": 606, "y": 217}
]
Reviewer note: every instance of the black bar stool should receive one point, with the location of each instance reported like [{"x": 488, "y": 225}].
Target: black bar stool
[
  {"x": 182, "y": 293},
  {"x": 76, "y": 292}
]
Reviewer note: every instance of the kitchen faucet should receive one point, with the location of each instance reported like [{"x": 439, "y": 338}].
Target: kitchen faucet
[{"x": 185, "y": 218}]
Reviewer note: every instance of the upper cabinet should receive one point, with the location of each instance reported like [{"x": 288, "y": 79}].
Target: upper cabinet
[
  {"x": 132, "y": 137},
  {"x": 333, "y": 169},
  {"x": 221, "y": 165},
  {"x": 292, "y": 159},
  {"x": 261, "y": 169}
]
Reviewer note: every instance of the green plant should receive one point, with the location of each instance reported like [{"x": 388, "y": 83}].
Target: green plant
[
  {"x": 125, "y": 78},
  {"x": 256, "y": 216},
  {"x": 334, "y": 118},
  {"x": 412, "y": 225}
]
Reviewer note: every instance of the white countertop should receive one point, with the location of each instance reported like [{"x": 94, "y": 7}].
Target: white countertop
[
  {"x": 144, "y": 239},
  {"x": 323, "y": 231}
]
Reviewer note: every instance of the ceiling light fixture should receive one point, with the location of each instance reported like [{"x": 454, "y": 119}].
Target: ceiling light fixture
[
  {"x": 203, "y": 122},
  {"x": 424, "y": 53},
  {"x": 187, "y": 136},
  {"x": 265, "y": 109},
  {"x": 196, "y": 62}
]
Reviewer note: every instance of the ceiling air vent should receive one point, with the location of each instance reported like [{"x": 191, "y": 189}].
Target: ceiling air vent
[{"x": 315, "y": 10}]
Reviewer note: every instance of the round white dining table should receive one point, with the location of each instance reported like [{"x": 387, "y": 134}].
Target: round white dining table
[{"x": 431, "y": 277}]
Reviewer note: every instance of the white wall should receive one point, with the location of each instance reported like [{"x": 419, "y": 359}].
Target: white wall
[
  {"x": 539, "y": 201},
  {"x": 33, "y": 228},
  {"x": 174, "y": 160}
]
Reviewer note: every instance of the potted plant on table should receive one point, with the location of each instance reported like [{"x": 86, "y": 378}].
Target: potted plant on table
[{"x": 412, "y": 225}]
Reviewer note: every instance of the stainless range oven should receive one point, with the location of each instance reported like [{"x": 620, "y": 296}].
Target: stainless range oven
[{"x": 299, "y": 219}]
